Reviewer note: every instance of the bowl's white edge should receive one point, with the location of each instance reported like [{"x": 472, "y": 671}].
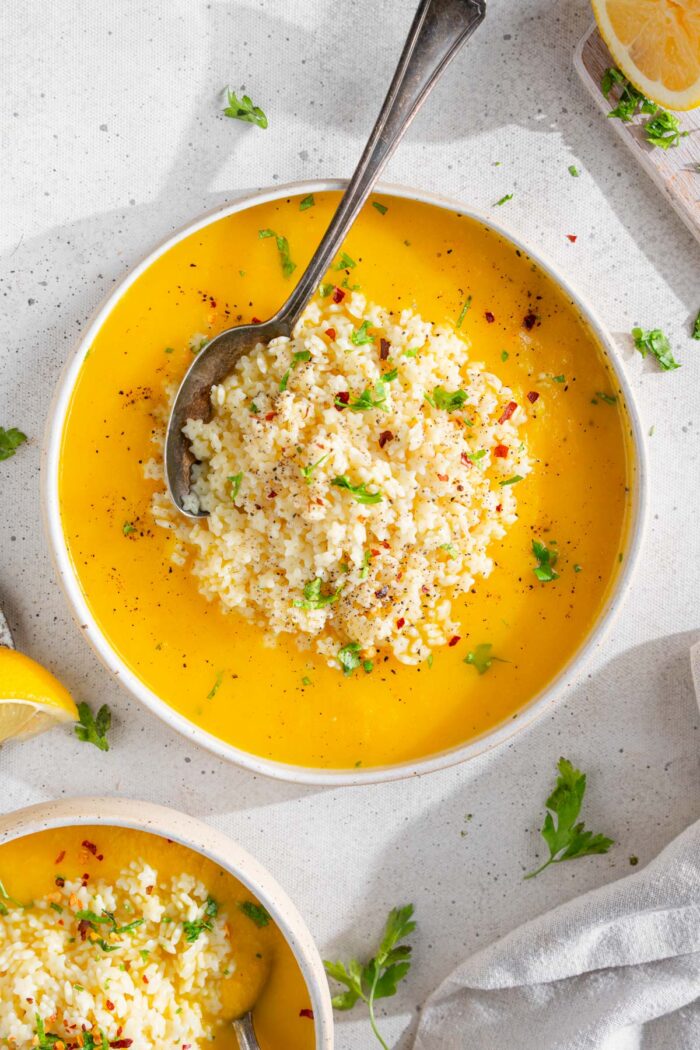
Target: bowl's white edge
[
  {"x": 267, "y": 767},
  {"x": 172, "y": 824}
]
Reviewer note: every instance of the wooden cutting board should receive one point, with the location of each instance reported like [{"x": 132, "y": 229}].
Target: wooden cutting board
[{"x": 675, "y": 171}]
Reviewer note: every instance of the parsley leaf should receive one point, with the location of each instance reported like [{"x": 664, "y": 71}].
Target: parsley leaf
[
  {"x": 366, "y": 401},
  {"x": 307, "y": 202},
  {"x": 380, "y": 976},
  {"x": 450, "y": 402},
  {"x": 307, "y": 472},
  {"x": 511, "y": 481},
  {"x": 381, "y": 208},
  {"x": 573, "y": 170},
  {"x": 10, "y": 440},
  {"x": 654, "y": 342},
  {"x": 349, "y": 659},
  {"x": 46, "y": 1039},
  {"x": 288, "y": 267},
  {"x": 361, "y": 336},
  {"x": 235, "y": 483},
  {"x": 696, "y": 328},
  {"x": 243, "y": 109},
  {"x": 194, "y": 927},
  {"x": 300, "y": 355},
  {"x": 609, "y": 399},
  {"x": 663, "y": 130},
  {"x": 216, "y": 686},
  {"x": 630, "y": 101},
  {"x": 504, "y": 200},
  {"x": 93, "y": 729},
  {"x": 359, "y": 492},
  {"x": 464, "y": 310},
  {"x": 546, "y": 560},
  {"x": 314, "y": 599},
  {"x": 345, "y": 262},
  {"x": 255, "y": 912},
  {"x": 568, "y": 840},
  {"x": 481, "y": 657},
  {"x": 128, "y": 528}
]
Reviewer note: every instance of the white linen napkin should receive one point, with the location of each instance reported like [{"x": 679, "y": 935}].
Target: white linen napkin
[{"x": 615, "y": 969}]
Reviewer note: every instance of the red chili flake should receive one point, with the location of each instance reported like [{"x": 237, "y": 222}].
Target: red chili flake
[
  {"x": 59, "y": 880},
  {"x": 271, "y": 494},
  {"x": 530, "y": 320},
  {"x": 386, "y": 545},
  {"x": 212, "y": 303},
  {"x": 330, "y": 332},
  {"x": 443, "y": 477},
  {"x": 499, "y": 508},
  {"x": 381, "y": 593},
  {"x": 60, "y": 857},
  {"x": 489, "y": 317},
  {"x": 83, "y": 927},
  {"x": 501, "y": 451},
  {"x": 571, "y": 237},
  {"x": 384, "y": 348},
  {"x": 144, "y": 978},
  {"x": 424, "y": 589},
  {"x": 400, "y": 622},
  {"x": 100, "y": 856},
  {"x": 306, "y": 1012},
  {"x": 454, "y": 639},
  {"x": 532, "y": 396},
  {"x": 507, "y": 411},
  {"x": 149, "y": 890},
  {"x": 344, "y": 398},
  {"x": 90, "y": 847},
  {"x": 121, "y": 1044},
  {"x": 466, "y": 460},
  {"x": 255, "y": 320},
  {"x": 338, "y": 295},
  {"x": 375, "y": 554},
  {"x": 385, "y": 437},
  {"x": 29, "y": 999},
  {"x": 109, "y": 1004},
  {"x": 270, "y": 415}
]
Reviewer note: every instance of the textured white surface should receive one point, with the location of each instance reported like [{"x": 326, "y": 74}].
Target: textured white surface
[{"x": 112, "y": 138}]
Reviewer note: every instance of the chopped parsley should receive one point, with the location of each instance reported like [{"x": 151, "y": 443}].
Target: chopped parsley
[
  {"x": 504, "y": 355},
  {"x": 307, "y": 471},
  {"x": 216, "y": 686},
  {"x": 243, "y": 109},
  {"x": 345, "y": 262},
  {"x": 609, "y": 399},
  {"x": 361, "y": 336},
  {"x": 93, "y": 729},
  {"x": 10, "y": 440},
  {"x": 411, "y": 352},
  {"x": 663, "y": 130},
  {"x": 300, "y": 355},
  {"x": 511, "y": 481},
  {"x": 255, "y": 912},
  {"x": 358, "y": 492},
  {"x": 195, "y": 927},
  {"x": 389, "y": 377},
  {"x": 306, "y": 681},
  {"x": 128, "y": 528},
  {"x": 463, "y": 312},
  {"x": 324, "y": 290},
  {"x": 449, "y": 401},
  {"x": 695, "y": 334},
  {"x": 288, "y": 267},
  {"x": 381, "y": 208},
  {"x": 546, "y": 560},
  {"x": 573, "y": 170},
  {"x": 630, "y": 101},
  {"x": 654, "y": 342},
  {"x": 451, "y": 550},
  {"x": 350, "y": 659},
  {"x": 314, "y": 599},
  {"x": 569, "y": 840},
  {"x": 307, "y": 202},
  {"x": 367, "y": 400},
  {"x": 481, "y": 657},
  {"x": 504, "y": 200},
  {"x": 234, "y": 481},
  {"x": 366, "y": 560},
  {"x": 46, "y": 1040}
]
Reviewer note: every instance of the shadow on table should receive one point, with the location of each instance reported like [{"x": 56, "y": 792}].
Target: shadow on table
[{"x": 641, "y": 714}]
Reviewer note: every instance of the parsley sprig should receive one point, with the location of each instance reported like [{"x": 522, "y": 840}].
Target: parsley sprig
[
  {"x": 358, "y": 492},
  {"x": 449, "y": 401},
  {"x": 307, "y": 471},
  {"x": 654, "y": 342},
  {"x": 367, "y": 400},
  {"x": 664, "y": 130},
  {"x": 288, "y": 267},
  {"x": 546, "y": 560},
  {"x": 192, "y": 928},
  {"x": 93, "y": 729},
  {"x": 568, "y": 840},
  {"x": 360, "y": 336},
  {"x": 243, "y": 109},
  {"x": 349, "y": 658},
  {"x": 10, "y": 440},
  {"x": 378, "y": 978}
]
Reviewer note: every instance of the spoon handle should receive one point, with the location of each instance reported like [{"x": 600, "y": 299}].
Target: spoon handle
[
  {"x": 439, "y": 29},
  {"x": 245, "y": 1033}
]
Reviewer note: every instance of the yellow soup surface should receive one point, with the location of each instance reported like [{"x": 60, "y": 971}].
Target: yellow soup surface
[
  {"x": 266, "y": 974},
  {"x": 282, "y": 703}
]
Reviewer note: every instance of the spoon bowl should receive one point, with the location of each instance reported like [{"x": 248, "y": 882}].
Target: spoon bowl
[{"x": 245, "y": 1032}]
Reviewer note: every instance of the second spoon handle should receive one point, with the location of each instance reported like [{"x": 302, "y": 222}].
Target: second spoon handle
[{"x": 439, "y": 29}]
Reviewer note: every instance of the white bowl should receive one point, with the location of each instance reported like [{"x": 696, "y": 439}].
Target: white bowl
[
  {"x": 302, "y": 774},
  {"x": 169, "y": 823}
]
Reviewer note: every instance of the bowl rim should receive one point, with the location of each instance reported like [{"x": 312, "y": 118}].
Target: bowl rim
[
  {"x": 207, "y": 841},
  {"x": 311, "y": 775}
]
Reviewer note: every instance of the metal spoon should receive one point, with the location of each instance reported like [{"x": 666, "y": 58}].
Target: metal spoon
[
  {"x": 243, "y": 1027},
  {"x": 439, "y": 29}
]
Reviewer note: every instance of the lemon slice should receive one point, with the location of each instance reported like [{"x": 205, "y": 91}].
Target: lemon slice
[
  {"x": 656, "y": 44},
  {"x": 31, "y": 698}
]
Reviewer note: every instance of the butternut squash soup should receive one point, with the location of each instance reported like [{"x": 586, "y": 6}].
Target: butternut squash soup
[
  {"x": 446, "y": 357},
  {"x": 117, "y": 937}
]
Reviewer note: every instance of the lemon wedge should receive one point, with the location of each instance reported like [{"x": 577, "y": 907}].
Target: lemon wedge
[
  {"x": 656, "y": 44},
  {"x": 31, "y": 698}
]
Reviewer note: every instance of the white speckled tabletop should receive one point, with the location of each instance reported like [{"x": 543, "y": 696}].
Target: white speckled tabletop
[{"x": 112, "y": 137}]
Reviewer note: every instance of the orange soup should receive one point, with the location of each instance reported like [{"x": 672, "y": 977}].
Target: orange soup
[
  {"x": 216, "y": 669},
  {"x": 44, "y": 878}
]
